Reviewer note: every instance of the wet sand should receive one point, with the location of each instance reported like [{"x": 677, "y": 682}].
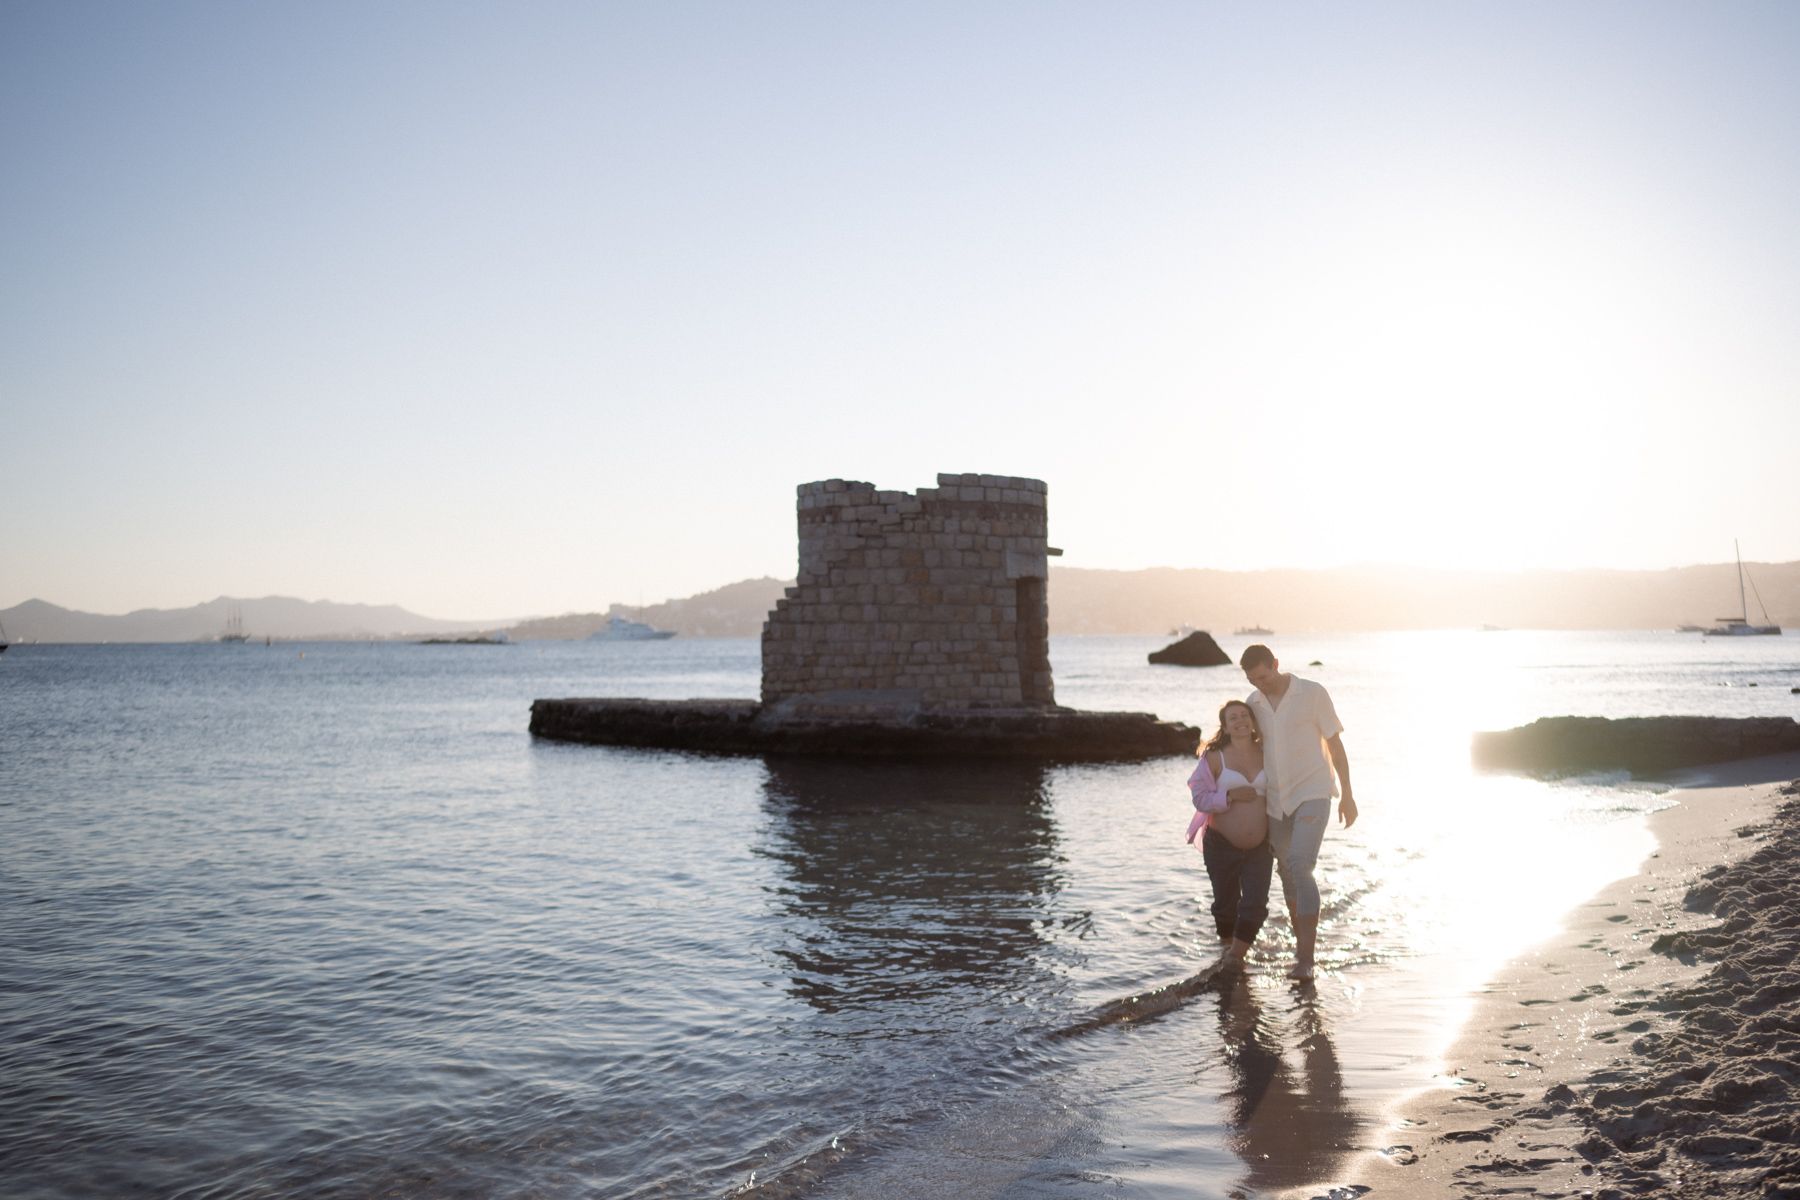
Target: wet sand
[{"x": 1652, "y": 1047}]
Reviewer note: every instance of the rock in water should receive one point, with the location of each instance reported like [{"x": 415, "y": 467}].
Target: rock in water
[
  {"x": 1194, "y": 650},
  {"x": 1641, "y": 745}
]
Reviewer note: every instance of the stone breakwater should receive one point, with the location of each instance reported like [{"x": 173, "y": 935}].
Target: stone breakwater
[
  {"x": 873, "y": 730},
  {"x": 1712, "y": 1106},
  {"x": 1641, "y": 745},
  {"x": 917, "y": 627}
]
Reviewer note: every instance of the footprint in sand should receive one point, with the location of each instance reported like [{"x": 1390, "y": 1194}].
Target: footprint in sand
[
  {"x": 1516, "y": 1065},
  {"x": 1611, "y": 1036},
  {"x": 1515, "y": 1166}
]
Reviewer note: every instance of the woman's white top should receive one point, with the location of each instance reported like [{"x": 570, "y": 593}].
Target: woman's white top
[{"x": 1231, "y": 777}]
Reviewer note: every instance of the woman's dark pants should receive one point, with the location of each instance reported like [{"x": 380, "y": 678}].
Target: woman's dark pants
[{"x": 1240, "y": 883}]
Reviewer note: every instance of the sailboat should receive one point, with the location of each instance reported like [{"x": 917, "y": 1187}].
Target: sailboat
[
  {"x": 1739, "y": 626},
  {"x": 234, "y": 627},
  {"x": 3, "y": 642}
]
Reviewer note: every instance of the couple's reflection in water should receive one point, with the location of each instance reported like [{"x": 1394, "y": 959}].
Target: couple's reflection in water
[
  {"x": 1291, "y": 1122},
  {"x": 917, "y": 908}
]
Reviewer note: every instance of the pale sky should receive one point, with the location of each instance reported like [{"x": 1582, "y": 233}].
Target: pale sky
[{"x": 508, "y": 309}]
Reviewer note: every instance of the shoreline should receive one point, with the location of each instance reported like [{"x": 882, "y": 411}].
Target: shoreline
[{"x": 1560, "y": 1038}]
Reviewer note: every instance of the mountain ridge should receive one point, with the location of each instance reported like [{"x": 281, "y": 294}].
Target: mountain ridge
[
  {"x": 285, "y": 617},
  {"x": 1149, "y": 600}
]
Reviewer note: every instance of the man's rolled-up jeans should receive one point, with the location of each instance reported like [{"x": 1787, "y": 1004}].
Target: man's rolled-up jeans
[{"x": 1295, "y": 839}]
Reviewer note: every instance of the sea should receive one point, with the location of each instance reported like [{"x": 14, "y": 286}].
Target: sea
[{"x": 323, "y": 920}]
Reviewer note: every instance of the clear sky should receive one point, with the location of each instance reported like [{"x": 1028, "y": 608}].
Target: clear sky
[{"x": 505, "y": 309}]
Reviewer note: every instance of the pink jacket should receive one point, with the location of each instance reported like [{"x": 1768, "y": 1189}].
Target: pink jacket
[{"x": 1208, "y": 797}]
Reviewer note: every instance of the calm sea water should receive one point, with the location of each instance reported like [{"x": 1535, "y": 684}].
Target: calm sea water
[{"x": 323, "y": 920}]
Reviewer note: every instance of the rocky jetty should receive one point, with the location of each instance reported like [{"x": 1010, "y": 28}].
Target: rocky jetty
[
  {"x": 1641, "y": 745},
  {"x": 1194, "y": 650},
  {"x": 748, "y": 727}
]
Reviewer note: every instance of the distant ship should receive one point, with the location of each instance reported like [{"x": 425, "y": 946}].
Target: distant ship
[
  {"x": 1252, "y": 631},
  {"x": 234, "y": 627},
  {"x": 618, "y": 629},
  {"x": 1739, "y": 626}
]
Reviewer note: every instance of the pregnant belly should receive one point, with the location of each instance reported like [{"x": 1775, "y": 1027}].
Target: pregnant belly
[{"x": 1243, "y": 825}]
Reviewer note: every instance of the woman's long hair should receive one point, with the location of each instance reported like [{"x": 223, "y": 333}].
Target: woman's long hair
[{"x": 1221, "y": 738}]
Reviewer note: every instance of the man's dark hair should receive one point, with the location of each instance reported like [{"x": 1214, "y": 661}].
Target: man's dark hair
[{"x": 1257, "y": 655}]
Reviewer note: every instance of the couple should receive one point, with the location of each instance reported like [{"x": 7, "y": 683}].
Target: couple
[{"x": 1263, "y": 791}]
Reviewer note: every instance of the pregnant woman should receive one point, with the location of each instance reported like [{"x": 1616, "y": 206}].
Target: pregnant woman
[{"x": 1233, "y": 825}]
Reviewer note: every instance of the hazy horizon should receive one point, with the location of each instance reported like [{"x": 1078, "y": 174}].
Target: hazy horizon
[
  {"x": 1779, "y": 593},
  {"x": 527, "y": 311}
]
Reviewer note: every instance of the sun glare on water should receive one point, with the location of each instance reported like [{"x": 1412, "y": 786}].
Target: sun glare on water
[{"x": 1487, "y": 862}]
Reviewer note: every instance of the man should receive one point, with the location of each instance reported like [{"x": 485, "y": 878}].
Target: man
[{"x": 1305, "y": 764}]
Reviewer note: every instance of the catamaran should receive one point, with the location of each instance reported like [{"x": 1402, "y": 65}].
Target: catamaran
[{"x": 1739, "y": 626}]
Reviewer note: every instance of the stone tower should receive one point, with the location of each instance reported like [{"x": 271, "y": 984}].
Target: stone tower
[{"x": 932, "y": 600}]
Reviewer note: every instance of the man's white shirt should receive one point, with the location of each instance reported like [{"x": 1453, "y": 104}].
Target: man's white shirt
[{"x": 1294, "y": 752}]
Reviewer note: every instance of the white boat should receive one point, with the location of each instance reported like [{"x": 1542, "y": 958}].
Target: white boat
[
  {"x": 618, "y": 629},
  {"x": 1739, "y": 626}
]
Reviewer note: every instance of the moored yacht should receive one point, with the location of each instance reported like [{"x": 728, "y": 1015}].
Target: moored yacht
[{"x": 618, "y": 629}]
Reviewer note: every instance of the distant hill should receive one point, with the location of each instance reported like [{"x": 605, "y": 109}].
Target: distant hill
[
  {"x": 1082, "y": 600},
  {"x": 735, "y": 610},
  {"x": 1159, "y": 599},
  {"x": 270, "y": 616}
]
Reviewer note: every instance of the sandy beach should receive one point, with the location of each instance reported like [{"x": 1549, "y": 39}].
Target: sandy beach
[{"x": 1652, "y": 1046}]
